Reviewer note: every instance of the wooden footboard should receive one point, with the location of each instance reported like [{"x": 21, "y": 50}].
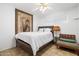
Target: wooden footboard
[
  {"x": 26, "y": 47},
  {"x": 23, "y": 45}
]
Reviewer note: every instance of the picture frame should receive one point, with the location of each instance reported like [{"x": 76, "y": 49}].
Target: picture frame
[{"x": 23, "y": 21}]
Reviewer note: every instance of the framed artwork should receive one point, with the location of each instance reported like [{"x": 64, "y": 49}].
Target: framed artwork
[{"x": 23, "y": 21}]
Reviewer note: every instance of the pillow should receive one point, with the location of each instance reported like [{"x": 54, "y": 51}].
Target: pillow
[
  {"x": 47, "y": 30},
  {"x": 40, "y": 30}
]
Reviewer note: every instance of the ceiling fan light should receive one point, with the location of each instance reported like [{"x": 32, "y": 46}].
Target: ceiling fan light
[{"x": 43, "y": 7}]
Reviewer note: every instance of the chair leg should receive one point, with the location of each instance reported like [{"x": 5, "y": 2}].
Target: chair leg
[{"x": 58, "y": 46}]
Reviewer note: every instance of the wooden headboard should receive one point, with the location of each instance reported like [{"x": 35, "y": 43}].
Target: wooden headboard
[{"x": 43, "y": 27}]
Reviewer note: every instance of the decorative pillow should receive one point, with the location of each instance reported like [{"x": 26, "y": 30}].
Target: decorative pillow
[
  {"x": 40, "y": 30},
  {"x": 67, "y": 36},
  {"x": 68, "y": 40},
  {"x": 47, "y": 30}
]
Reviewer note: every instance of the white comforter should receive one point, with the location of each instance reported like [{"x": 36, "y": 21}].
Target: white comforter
[{"x": 35, "y": 39}]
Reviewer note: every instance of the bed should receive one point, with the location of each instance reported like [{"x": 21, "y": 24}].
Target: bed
[
  {"x": 25, "y": 37},
  {"x": 34, "y": 41}
]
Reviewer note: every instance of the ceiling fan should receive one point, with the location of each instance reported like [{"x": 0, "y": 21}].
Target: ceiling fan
[{"x": 42, "y": 7}]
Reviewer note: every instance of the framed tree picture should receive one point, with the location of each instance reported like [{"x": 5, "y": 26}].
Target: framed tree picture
[{"x": 23, "y": 21}]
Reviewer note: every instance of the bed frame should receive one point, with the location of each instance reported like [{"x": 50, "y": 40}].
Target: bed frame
[{"x": 26, "y": 47}]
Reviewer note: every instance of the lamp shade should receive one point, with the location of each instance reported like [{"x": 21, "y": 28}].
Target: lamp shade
[{"x": 56, "y": 28}]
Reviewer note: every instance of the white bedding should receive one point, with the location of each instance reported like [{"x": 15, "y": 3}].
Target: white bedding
[{"x": 35, "y": 39}]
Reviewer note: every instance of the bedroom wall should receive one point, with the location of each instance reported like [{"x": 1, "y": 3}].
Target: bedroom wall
[
  {"x": 35, "y": 23},
  {"x": 77, "y": 22},
  {"x": 65, "y": 19},
  {"x": 7, "y": 26}
]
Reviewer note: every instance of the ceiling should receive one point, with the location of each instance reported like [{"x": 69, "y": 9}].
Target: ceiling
[{"x": 53, "y": 7}]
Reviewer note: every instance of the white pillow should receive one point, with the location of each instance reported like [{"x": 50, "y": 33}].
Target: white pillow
[
  {"x": 47, "y": 30},
  {"x": 40, "y": 30}
]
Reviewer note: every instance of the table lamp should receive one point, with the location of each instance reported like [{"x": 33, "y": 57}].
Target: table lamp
[{"x": 56, "y": 30}]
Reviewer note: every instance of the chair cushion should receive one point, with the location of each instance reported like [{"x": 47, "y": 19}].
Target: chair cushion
[
  {"x": 68, "y": 45},
  {"x": 68, "y": 40}
]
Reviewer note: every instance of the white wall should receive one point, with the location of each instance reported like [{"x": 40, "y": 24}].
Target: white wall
[
  {"x": 7, "y": 26},
  {"x": 77, "y": 22},
  {"x": 65, "y": 19},
  {"x": 71, "y": 25},
  {"x": 35, "y": 23}
]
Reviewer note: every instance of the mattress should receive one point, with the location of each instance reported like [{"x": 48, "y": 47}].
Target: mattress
[{"x": 35, "y": 39}]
